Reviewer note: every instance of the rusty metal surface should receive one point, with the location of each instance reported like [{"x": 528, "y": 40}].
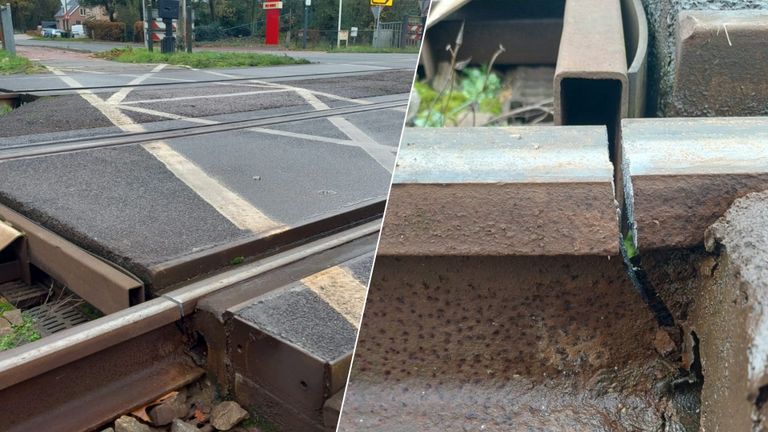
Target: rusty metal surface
[
  {"x": 505, "y": 343},
  {"x": 731, "y": 319},
  {"x": 721, "y": 64},
  {"x": 14, "y": 100},
  {"x": 165, "y": 275},
  {"x": 36, "y": 358},
  {"x": 636, "y": 34},
  {"x": 84, "y": 395},
  {"x": 663, "y": 27},
  {"x": 591, "y": 89},
  {"x": 213, "y": 317},
  {"x": 129, "y": 138},
  {"x": 10, "y": 271},
  {"x": 286, "y": 371},
  {"x": 529, "y": 31},
  {"x": 99, "y": 283},
  {"x": 277, "y": 411},
  {"x": 500, "y": 191},
  {"x": 680, "y": 175},
  {"x": 295, "y": 343}
]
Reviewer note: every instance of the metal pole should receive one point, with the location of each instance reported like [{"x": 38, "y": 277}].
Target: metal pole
[
  {"x": 188, "y": 26},
  {"x": 147, "y": 31},
  {"x": 306, "y": 24},
  {"x": 168, "y": 44},
  {"x": 338, "y": 30},
  {"x": 6, "y": 24}
]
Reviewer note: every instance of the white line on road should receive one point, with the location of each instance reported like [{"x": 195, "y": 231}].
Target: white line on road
[
  {"x": 383, "y": 154},
  {"x": 340, "y": 290},
  {"x": 239, "y": 211},
  {"x": 111, "y": 112},
  {"x": 225, "y": 95},
  {"x": 231, "y": 205},
  {"x": 167, "y": 115},
  {"x": 123, "y": 92}
]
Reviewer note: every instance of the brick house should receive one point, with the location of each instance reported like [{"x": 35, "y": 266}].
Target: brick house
[{"x": 78, "y": 15}]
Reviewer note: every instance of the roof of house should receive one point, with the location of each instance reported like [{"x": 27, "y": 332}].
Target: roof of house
[{"x": 72, "y": 5}]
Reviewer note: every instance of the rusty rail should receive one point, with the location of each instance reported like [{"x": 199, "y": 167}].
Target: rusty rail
[
  {"x": 116, "y": 363},
  {"x": 591, "y": 89},
  {"x": 123, "y": 139},
  {"x": 212, "y": 81},
  {"x": 100, "y": 283}
]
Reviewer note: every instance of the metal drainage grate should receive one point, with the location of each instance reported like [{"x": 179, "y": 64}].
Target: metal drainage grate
[
  {"x": 22, "y": 295},
  {"x": 54, "y": 317}
]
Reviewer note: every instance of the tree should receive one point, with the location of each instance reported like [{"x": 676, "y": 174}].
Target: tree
[
  {"x": 109, "y": 5},
  {"x": 27, "y": 14}
]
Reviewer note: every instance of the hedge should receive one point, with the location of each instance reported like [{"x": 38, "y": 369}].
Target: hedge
[{"x": 105, "y": 30}]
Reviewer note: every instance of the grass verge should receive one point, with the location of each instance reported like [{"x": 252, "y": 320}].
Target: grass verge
[
  {"x": 15, "y": 64},
  {"x": 200, "y": 59}
]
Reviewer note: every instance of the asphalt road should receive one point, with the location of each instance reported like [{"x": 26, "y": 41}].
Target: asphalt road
[{"x": 145, "y": 205}]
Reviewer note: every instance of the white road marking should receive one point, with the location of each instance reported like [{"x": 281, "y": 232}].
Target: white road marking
[
  {"x": 239, "y": 211},
  {"x": 231, "y": 205},
  {"x": 304, "y": 136},
  {"x": 110, "y": 112},
  {"x": 167, "y": 115},
  {"x": 383, "y": 154},
  {"x": 225, "y": 95},
  {"x": 340, "y": 290},
  {"x": 123, "y": 92}
]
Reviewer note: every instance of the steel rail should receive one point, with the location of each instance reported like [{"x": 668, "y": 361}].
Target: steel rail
[
  {"x": 114, "y": 140},
  {"x": 212, "y": 81},
  {"x": 33, "y": 359}
]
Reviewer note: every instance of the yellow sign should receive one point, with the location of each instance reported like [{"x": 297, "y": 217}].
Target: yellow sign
[{"x": 381, "y": 2}]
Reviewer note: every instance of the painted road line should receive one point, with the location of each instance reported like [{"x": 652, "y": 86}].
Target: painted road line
[
  {"x": 225, "y": 95},
  {"x": 239, "y": 211},
  {"x": 110, "y": 112},
  {"x": 231, "y": 205},
  {"x": 341, "y": 290},
  {"x": 382, "y": 154},
  {"x": 166, "y": 115},
  {"x": 120, "y": 95}
]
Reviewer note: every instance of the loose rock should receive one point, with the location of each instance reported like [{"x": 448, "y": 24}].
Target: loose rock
[
  {"x": 172, "y": 408},
  {"x": 14, "y": 317},
  {"x": 182, "y": 426},
  {"x": 130, "y": 424},
  {"x": 227, "y": 415},
  {"x": 5, "y": 327}
]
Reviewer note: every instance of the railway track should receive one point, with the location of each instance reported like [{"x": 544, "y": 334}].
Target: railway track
[
  {"x": 182, "y": 83},
  {"x": 129, "y": 138},
  {"x": 99, "y": 370},
  {"x": 199, "y": 314}
]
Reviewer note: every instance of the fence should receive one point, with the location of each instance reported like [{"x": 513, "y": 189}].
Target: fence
[{"x": 399, "y": 34}]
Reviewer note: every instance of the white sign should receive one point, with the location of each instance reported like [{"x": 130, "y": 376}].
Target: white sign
[
  {"x": 273, "y": 5},
  {"x": 353, "y": 31},
  {"x": 376, "y": 10},
  {"x": 308, "y": 3},
  {"x": 344, "y": 35}
]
